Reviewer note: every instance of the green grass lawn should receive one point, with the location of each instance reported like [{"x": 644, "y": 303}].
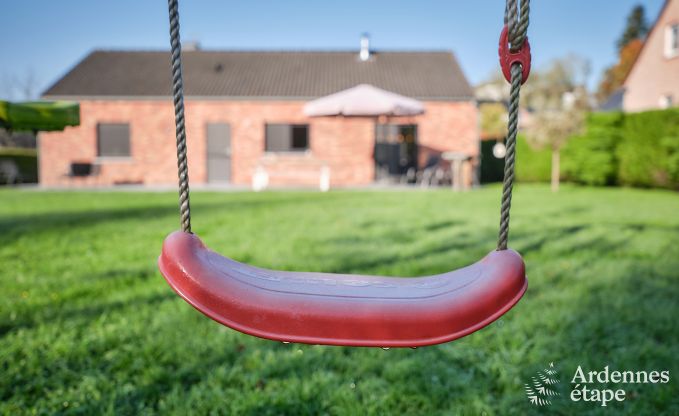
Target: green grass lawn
[{"x": 88, "y": 325}]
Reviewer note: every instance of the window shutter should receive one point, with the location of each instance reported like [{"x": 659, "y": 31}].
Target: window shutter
[
  {"x": 278, "y": 137},
  {"x": 113, "y": 140}
]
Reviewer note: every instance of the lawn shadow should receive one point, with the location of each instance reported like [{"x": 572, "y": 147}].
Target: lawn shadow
[
  {"x": 63, "y": 221},
  {"x": 527, "y": 241},
  {"x": 52, "y": 313},
  {"x": 437, "y": 241}
]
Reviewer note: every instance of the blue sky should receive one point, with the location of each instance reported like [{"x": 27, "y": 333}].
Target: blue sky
[{"x": 46, "y": 38}]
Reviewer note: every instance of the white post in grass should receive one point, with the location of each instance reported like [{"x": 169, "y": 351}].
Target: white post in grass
[
  {"x": 324, "y": 182},
  {"x": 260, "y": 180}
]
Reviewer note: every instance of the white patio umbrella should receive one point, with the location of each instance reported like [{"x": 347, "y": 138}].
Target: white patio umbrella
[{"x": 363, "y": 100}]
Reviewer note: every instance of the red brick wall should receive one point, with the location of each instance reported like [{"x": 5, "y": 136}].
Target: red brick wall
[{"x": 344, "y": 145}]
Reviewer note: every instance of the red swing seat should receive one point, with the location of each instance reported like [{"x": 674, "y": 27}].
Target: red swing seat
[{"x": 339, "y": 309}]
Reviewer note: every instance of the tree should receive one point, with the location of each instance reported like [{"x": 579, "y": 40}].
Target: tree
[
  {"x": 560, "y": 101},
  {"x": 493, "y": 120},
  {"x": 615, "y": 75},
  {"x": 629, "y": 45},
  {"x": 636, "y": 28}
]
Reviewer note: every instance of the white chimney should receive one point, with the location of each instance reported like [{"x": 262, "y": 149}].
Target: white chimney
[
  {"x": 364, "y": 54},
  {"x": 190, "y": 45}
]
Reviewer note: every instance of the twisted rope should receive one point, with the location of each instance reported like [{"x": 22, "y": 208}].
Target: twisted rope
[
  {"x": 508, "y": 182},
  {"x": 518, "y": 27},
  {"x": 180, "y": 129},
  {"x": 517, "y": 35}
]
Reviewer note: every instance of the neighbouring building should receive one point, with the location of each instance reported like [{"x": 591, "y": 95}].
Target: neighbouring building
[
  {"x": 653, "y": 81},
  {"x": 244, "y": 116}
]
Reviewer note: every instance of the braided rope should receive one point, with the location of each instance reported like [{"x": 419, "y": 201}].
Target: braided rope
[
  {"x": 517, "y": 35},
  {"x": 510, "y": 156},
  {"x": 180, "y": 129},
  {"x": 518, "y": 27}
]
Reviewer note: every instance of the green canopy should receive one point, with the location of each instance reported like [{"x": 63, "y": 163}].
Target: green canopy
[{"x": 39, "y": 115}]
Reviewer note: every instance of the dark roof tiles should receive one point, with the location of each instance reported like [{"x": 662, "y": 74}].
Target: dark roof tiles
[{"x": 424, "y": 75}]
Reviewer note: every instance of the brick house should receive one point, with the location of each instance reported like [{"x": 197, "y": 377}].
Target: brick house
[
  {"x": 244, "y": 116},
  {"x": 653, "y": 81}
]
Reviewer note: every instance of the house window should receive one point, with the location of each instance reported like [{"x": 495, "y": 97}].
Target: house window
[
  {"x": 672, "y": 40},
  {"x": 666, "y": 101},
  {"x": 287, "y": 138},
  {"x": 113, "y": 140}
]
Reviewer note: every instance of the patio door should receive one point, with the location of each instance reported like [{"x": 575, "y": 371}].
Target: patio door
[
  {"x": 218, "y": 153},
  {"x": 395, "y": 151}
]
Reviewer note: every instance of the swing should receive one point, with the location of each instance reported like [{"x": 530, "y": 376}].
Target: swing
[{"x": 350, "y": 310}]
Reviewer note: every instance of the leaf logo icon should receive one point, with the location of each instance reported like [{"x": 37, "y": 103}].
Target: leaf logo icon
[{"x": 540, "y": 390}]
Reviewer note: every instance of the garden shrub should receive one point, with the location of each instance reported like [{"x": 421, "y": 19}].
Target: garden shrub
[
  {"x": 635, "y": 149},
  {"x": 648, "y": 150},
  {"x": 590, "y": 158},
  {"x": 671, "y": 146},
  {"x": 532, "y": 165}
]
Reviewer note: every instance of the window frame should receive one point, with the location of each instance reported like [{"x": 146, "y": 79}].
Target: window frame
[
  {"x": 671, "y": 47},
  {"x": 290, "y": 150},
  {"x": 101, "y": 157}
]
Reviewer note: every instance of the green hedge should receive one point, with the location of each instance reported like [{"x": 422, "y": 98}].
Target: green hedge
[
  {"x": 590, "y": 158},
  {"x": 648, "y": 153},
  {"x": 532, "y": 165},
  {"x": 636, "y": 149},
  {"x": 26, "y": 160}
]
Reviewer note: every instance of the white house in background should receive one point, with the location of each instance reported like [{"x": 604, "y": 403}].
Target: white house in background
[{"x": 653, "y": 81}]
